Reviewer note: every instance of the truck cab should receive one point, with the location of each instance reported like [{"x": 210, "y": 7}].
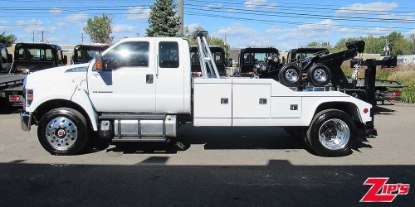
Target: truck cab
[
  {"x": 84, "y": 53},
  {"x": 141, "y": 90},
  {"x": 255, "y": 60},
  {"x": 31, "y": 57},
  {"x": 6, "y": 59},
  {"x": 218, "y": 54},
  {"x": 300, "y": 55}
]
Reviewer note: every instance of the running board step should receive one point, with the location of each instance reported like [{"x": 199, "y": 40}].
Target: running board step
[
  {"x": 126, "y": 116},
  {"x": 142, "y": 139}
]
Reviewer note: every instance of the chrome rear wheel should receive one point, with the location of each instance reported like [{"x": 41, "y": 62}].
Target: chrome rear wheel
[{"x": 334, "y": 134}]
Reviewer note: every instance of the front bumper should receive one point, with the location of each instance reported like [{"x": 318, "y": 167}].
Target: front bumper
[{"x": 26, "y": 121}]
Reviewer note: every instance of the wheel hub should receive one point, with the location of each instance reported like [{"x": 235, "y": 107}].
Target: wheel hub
[
  {"x": 61, "y": 133},
  {"x": 334, "y": 134},
  {"x": 330, "y": 133},
  {"x": 320, "y": 75},
  {"x": 291, "y": 75}
]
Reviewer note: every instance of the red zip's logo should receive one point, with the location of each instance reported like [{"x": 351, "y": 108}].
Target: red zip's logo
[{"x": 382, "y": 192}]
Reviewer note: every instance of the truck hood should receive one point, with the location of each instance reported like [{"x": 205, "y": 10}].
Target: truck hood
[{"x": 57, "y": 76}]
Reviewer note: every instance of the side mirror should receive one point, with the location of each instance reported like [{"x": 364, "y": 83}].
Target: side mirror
[
  {"x": 99, "y": 66},
  {"x": 65, "y": 60},
  {"x": 9, "y": 58}
]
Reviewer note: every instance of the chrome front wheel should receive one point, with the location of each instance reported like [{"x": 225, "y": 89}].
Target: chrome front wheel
[{"x": 63, "y": 131}]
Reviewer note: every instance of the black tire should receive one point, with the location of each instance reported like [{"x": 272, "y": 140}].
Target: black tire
[
  {"x": 68, "y": 139},
  {"x": 319, "y": 75},
  {"x": 290, "y": 75},
  {"x": 322, "y": 121}
]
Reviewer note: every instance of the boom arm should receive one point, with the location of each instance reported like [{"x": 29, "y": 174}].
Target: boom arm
[{"x": 205, "y": 55}]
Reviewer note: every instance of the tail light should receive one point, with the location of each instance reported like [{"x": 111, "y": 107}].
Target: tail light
[
  {"x": 396, "y": 93},
  {"x": 14, "y": 98}
]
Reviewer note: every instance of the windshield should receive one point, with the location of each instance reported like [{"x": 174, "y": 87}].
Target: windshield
[
  {"x": 34, "y": 54},
  {"x": 257, "y": 57},
  {"x": 86, "y": 55}
]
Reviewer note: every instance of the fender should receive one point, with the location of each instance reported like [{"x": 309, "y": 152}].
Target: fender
[
  {"x": 78, "y": 96},
  {"x": 315, "y": 104},
  {"x": 81, "y": 98}
]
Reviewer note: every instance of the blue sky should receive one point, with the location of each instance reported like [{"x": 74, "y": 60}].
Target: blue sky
[{"x": 282, "y": 24}]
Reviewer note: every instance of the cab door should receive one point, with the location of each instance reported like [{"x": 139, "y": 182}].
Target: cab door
[
  {"x": 170, "y": 79},
  {"x": 4, "y": 61},
  {"x": 127, "y": 84}
]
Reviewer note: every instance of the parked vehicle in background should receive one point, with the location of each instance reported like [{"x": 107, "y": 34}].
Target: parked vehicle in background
[
  {"x": 6, "y": 59},
  {"x": 386, "y": 90},
  {"x": 28, "y": 58},
  {"x": 31, "y": 57},
  {"x": 7, "y": 81},
  {"x": 255, "y": 61},
  {"x": 304, "y": 55},
  {"x": 218, "y": 54},
  {"x": 84, "y": 53}
]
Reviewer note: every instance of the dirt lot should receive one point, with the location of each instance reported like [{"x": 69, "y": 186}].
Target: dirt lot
[{"x": 218, "y": 166}]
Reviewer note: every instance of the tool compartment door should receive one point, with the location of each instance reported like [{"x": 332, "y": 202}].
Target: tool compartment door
[
  {"x": 251, "y": 101},
  {"x": 212, "y": 99}
]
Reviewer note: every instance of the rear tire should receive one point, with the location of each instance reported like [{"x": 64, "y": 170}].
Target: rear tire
[
  {"x": 331, "y": 133},
  {"x": 63, "y": 131}
]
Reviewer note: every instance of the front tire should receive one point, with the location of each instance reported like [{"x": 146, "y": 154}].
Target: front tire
[
  {"x": 331, "y": 133},
  {"x": 63, "y": 131}
]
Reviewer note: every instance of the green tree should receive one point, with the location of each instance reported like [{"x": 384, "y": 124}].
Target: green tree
[
  {"x": 314, "y": 44},
  {"x": 213, "y": 41},
  {"x": 99, "y": 29},
  {"x": 375, "y": 45},
  {"x": 341, "y": 44},
  {"x": 189, "y": 34},
  {"x": 399, "y": 45},
  {"x": 7, "y": 40},
  {"x": 326, "y": 44},
  {"x": 219, "y": 42},
  {"x": 163, "y": 20},
  {"x": 412, "y": 40}
]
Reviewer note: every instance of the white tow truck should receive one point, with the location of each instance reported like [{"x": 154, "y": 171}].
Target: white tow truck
[{"x": 142, "y": 90}]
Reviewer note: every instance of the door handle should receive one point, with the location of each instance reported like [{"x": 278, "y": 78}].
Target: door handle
[
  {"x": 263, "y": 101},
  {"x": 149, "y": 79}
]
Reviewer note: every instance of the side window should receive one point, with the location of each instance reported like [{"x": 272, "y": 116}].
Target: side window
[
  {"x": 3, "y": 55},
  {"x": 194, "y": 57},
  {"x": 128, "y": 54},
  {"x": 59, "y": 52},
  {"x": 79, "y": 55},
  {"x": 168, "y": 54},
  {"x": 260, "y": 57},
  {"x": 49, "y": 54},
  {"x": 218, "y": 57},
  {"x": 247, "y": 57}
]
